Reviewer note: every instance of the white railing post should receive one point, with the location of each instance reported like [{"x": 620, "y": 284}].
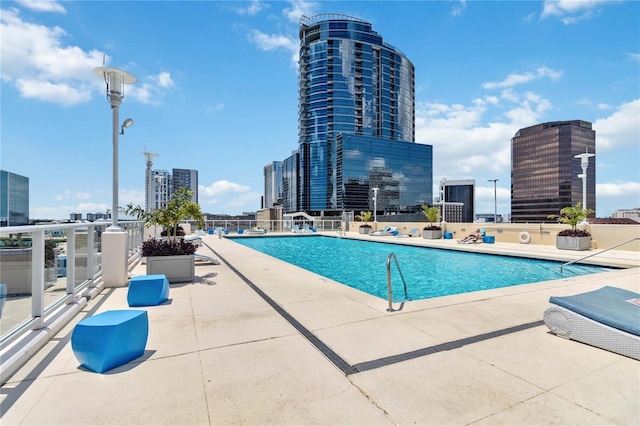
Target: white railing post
[
  {"x": 91, "y": 249},
  {"x": 37, "y": 278},
  {"x": 71, "y": 260}
]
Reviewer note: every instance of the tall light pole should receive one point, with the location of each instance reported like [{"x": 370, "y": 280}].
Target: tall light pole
[
  {"x": 375, "y": 204},
  {"x": 115, "y": 80},
  {"x": 584, "y": 163},
  {"x": 495, "y": 200}
]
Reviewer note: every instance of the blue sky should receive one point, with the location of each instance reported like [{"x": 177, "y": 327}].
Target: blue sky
[{"x": 217, "y": 91}]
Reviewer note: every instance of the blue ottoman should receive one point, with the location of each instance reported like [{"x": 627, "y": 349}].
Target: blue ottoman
[
  {"x": 110, "y": 339},
  {"x": 447, "y": 235},
  {"x": 488, "y": 239},
  {"x": 148, "y": 290}
]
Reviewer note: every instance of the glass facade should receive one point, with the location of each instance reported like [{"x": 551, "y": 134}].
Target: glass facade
[
  {"x": 290, "y": 179},
  {"x": 460, "y": 192},
  {"x": 185, "y": 178},
  {"x": 401, "y": 171},
  {"x": 544, "y": 170},
  {"x": 350, "y": 82},
  {"x": 272, "y": 184},
  {"x": 14, "y": 199}
]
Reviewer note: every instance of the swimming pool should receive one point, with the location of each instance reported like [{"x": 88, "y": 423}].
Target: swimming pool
[{"x": 428, "y": 272}]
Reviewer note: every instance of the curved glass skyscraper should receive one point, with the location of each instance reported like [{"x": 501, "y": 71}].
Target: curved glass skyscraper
[{"x": 353, "y": 83}]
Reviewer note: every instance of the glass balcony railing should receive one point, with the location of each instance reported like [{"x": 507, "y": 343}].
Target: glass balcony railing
[{"x": 46, "y": 266}]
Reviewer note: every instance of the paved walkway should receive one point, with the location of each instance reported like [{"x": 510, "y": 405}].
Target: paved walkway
[{"x": 258, "y": 341}]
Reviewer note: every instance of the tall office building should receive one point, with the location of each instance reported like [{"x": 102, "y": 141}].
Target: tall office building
[
  {"x": 458, "y": 191},
  {"x": 14, "y": 199},
  {"x": 272, "y": 184},
  {"x": 544, "y": 170},
  {"x": 290, "y": 179},
  {"x": 357, "y": 121},
  {"x": 185, "y": 178}
]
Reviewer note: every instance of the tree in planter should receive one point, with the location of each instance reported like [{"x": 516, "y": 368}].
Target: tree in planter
[
  {"x": 573, "y": 215},
  {"x": 431, "y": 213},
  {"x": 364, "y": 217},
  {"x": 179, "y": 208}
]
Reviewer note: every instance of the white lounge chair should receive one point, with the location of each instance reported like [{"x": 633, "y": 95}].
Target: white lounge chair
[
  {"x": 296, "y": 229},
  {"x": 387, "y": 231},
  {"x": 415, "y": 232},
  {"x": 608, "y": 318}
]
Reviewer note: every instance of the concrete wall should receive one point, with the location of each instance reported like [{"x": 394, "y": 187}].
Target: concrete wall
[{"x": 602, "y": 236}]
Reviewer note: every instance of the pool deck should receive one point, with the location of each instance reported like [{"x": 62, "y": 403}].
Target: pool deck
[{"x": 259, "y": 341}]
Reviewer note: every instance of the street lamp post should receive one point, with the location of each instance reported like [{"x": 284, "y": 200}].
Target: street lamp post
[
  {"x": 115, "y": 80},
  {"x": 584, "y": 163},
  {"x": 495, "y": 200},
  {"x": 375, "y": 204},
  {"x": 115, "y": 250}
]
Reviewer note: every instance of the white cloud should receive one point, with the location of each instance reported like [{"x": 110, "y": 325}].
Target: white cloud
[
  {"x": 517, "y": 79},
  {"x": 253, "y": 7},
  {"x": 222, "y": 187},
  {"x": 42, "y": 5},
  {"x": 459, "y": 8},
  {"x": 573, "y": 11},
  {"x": 40, "y": 66},
  {"x": 620, "y": 129},
  {"x": 70, "y": 195},
  {"x": 267, "y": 42},
  {"x": 627, "y": 189},
  {"x": 633, "y": 56},
  {"x": 152, "y": 89},
  {"x": 299, "y": 8},
  {"x": 215, "y": 108}
]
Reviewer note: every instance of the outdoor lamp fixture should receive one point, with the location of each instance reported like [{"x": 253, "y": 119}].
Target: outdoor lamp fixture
[
  {"x": 584, "y": 163},
  {"x": 126, "y": 124},
  {"x": 115, "y": 80},
  {"x": 375, "y": 204},
  {"x": 495, "y": 200}
]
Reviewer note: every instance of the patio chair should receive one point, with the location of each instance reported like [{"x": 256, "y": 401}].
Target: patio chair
[
  {"x": 608, "y": 318},
  {"x": 387, "y": 231},
  {"x": 415, "y": 232}
]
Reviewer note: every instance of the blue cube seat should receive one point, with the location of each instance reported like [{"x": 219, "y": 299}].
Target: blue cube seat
[
  {"x": 110, "y": 339},
  {"x": 148, "y": 290},
  {"x": 489, "y": 239}
]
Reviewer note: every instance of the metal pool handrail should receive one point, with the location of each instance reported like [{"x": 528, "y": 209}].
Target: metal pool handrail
[
  {"x": 389, "y": 292},
  {"x": 593, "y": 254}
]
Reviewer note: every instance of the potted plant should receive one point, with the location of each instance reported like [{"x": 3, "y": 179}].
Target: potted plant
[
  {"x": 573, "y": 239},
  {"x": 171, "y": 255},
  {"x": 364, "y": 217},
  {"x": 432, "y": 232}
]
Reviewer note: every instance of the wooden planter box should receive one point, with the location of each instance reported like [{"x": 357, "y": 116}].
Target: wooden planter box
[
  {"x": 573, "y": 243},
  {"x": 432, "y": 235},
  {"x": 177, "y": 269}
]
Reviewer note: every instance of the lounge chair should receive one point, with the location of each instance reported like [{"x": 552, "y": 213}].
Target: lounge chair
[
  {"x": 387, "y": 231},
  {"x": 608, "y": 318},
  {"x": 415, "y": 232},
  {"x": 296, "y": 229}
]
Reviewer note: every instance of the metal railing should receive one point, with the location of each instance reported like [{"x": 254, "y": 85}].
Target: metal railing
[
  {"x": 45, "y": 267},
  {"x": 389, "y": 291},
  {"x": 594, "y": 254}
]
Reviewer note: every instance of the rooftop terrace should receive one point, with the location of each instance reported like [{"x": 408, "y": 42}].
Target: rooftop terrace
[{"x": 259, "y": 341}]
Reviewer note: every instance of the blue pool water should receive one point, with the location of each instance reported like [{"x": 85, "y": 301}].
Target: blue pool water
[{"x": 428, "y": 272}]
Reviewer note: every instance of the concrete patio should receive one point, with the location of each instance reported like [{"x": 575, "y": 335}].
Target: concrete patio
[{"x": 259, "y": 341}]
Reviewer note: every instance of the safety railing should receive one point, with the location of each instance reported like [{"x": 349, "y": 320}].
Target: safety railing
[
  {"x": 48, "y": 266},
  {"x": 389, "y": 290},
  {"x": 597, "y": 253}
]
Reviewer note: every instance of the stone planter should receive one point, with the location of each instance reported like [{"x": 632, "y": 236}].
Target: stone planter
[
  {"x": 364, "y": 229},
  {"x": 573, "y": 243},
  {"x": 431, "y": 235},
  {"x": 177, "y": 269}
]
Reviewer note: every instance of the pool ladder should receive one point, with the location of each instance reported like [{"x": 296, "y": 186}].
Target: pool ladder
[{"x": 389, "y": 292}]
